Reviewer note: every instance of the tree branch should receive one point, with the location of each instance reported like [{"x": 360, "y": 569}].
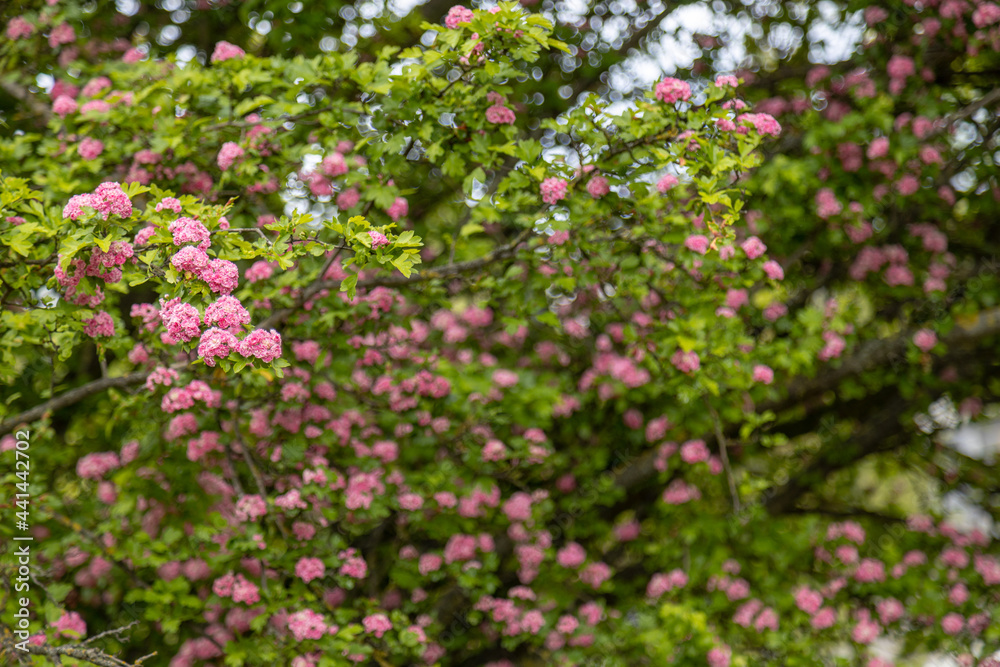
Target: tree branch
[
  {"x": 95, "y": 656},
  {"x": 71, "y": 397}
]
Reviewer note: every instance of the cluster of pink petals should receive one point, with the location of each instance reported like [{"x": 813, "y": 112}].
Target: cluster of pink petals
[
  {"x": 553, "y": 189},
  {"x": 107, "y": 199},
  {"x": 307, "y": 624},
  {"x": 379, "y": 239},
  {"x": 500, "y": 115},
  {"x": 458, "y": 15},
  {"x": 18, "y": 27},
  {"x": 925, "y": 339},
  {"x": 377, "y": 624},
  {"x": 71, "y": 625},
  {"x": 96, "y": 465},
  {"x": 226, "y": 51},
  {"x": 400, "y": 207},
  {"x": 598, "y": 187},
  {"x": 672, "y": 90},
  {"x": 228, "y": 154},
  {"x": 763, "y": 123},
  {"x": 666, "y": 183},
  {"x": 100, "y": 324},
  {"x": 90, "y": 148}
]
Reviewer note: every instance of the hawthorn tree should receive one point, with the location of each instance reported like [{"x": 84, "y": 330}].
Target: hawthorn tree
[{"x": 348, "y": 334}]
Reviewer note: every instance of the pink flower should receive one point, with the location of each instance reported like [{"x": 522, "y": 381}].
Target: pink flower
[
  {"x": 182, "y": 320},
  {"x": 685, "y": 362},
  {"x": 925, "y": 339},
  {"x": 900, "y": 67},
  {"x": 96, "y": 86},
  {"x": 226, "y": 51},
  {"x": 666, "y": 183},
  {"x": 306, "y": 624},
  {"x": 221, "y": 275},
  {"x": 595, "y": 574},
  {"x": 505, "y": 378},
  {"x": 697, "y": 243},
  {"x": 500, "y": 115},
  {"x": 773, "y": 270},
  {"x": 100, "y": 324},
  {"x": 808, "y": 600},
  {"x": 753, "y": 247},
  {"x": 109, "y": 198},
  {"x": 334, "y": 165},
  {"x": 720, "y": 656},
  {"x": 90, "y": 148},
  {"x": 694, "y": 451},
  {"x": 227, "y": 313},
  {"x": 378, "y": 624},
  {"x": 598, "y": 187},
  {"x": 169, "y": 204},
  {"x": 866, "y": 631},
  {"x": 763, "y": 123},
  {"x": 94, "y": 466},
  {"x": 986, "y": 14},
  {"x": 189, "y": 230},
  {"x": 572, "y": 555},
  {"x": 260, "y": 270},
  {"x": 190, "y": 259},
  {"x": 228, "y": 154},
  {"x": 458, "y": 15},
  {"x": 18, "y": 28},
  {"x": 378, "y": 239},
  {"x": 952, "y": 623},
  {"x": 133, "y": 56},
  {"x": 553, "y": 189},
  {"x": 762, "y": 373},
  {"x": 824, "y": 618},
  {"x": 890, "y": 610},
  {"x": 672, "y": 90},
  {"x": 262, "y": 345},
  {"x": 308, "y": 569},
  {"x": 400, "y": 207},
  {"x": 878, "y": 148},
  {"x": 429, "y": 563},
  {"x": 348, "y": 199},
  {"x": 64, "y": 105},
  {"x": 216, "y": 343},
  {"x": 726, "y": 80},
  {"x": 250, "y": 508},
  {"x": 61, "y": 34},
  {"x": 71, "y": 625}
]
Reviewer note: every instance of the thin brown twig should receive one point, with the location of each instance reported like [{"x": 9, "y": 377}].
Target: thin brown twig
[{"x": 720, "y": 437}]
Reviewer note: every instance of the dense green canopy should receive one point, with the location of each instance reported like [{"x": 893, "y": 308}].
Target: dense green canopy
[{"x": 583, "y": 333}]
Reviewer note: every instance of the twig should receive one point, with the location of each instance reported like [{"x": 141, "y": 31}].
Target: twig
[
  {"x": 71, "y": 397},
  {"x": 720, "y": 437},
  {"x": 115, "y": 631},
  {"x": 95, "y": 656}
]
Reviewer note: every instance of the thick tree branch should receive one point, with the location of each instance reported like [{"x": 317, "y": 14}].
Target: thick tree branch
[
  {"x": 94, "y": 656},
  {"x": 71, "y": 397}
]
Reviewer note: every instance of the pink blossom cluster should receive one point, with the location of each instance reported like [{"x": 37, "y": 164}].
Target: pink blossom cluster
[
  {"x": 228, "y": 154},
  {"x": 18, "y": 28},
  {"x": 70, "y": 624},
  {"x": 664, "y": 583},
  {"x": 96, "y": 465},
  {"x": 458, "y": 15},
  {"x": 225, "y": 51},
  {"x": 107, "y": 199},
  {"x": 553, "y": 190},
  {"x": 671, "y": 90}
]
